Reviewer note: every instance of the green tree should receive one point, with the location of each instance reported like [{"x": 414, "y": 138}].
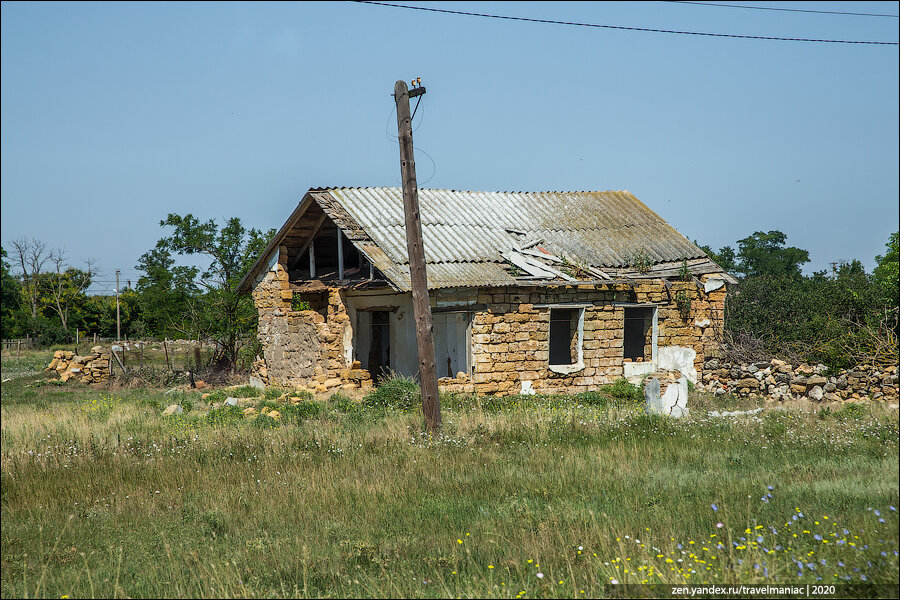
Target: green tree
[
  {"x": 9, "y": 300},
  {"x": 220, "y": 313},
  {"x": 63, "y": 288},
  {"x": 887, "y": 271},
  {"x": 725, "y": 257},
  {"x": 766, "y": 254},
  {"x": 165, "y": 290}
]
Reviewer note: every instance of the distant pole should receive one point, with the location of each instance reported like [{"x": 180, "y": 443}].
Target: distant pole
[
  {"x": 431, "y": 406},
  {"x": 118, "y": 318}
]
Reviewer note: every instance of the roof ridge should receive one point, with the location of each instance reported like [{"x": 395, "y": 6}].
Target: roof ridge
[{"x": 388, "y": 187}]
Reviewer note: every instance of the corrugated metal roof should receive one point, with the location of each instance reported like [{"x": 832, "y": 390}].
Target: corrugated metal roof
[{"x": 464, "y": 232}]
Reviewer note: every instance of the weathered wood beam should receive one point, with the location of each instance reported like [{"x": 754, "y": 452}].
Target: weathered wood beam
[{"x": 309, "y": 241}]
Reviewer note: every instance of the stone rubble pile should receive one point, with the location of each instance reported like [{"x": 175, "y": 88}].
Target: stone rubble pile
[
  {"x": 780, "y": 381},
  {"x": 354, "y": 378},
  {"x": 88, "y": 368}
]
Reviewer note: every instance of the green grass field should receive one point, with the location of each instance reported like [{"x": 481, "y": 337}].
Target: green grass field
[{"x": 520, "y": 497}]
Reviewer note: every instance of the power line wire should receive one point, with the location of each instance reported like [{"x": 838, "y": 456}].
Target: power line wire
[
  {"x": 622, "y": 27},
  {"x": 800, "y": 10}
]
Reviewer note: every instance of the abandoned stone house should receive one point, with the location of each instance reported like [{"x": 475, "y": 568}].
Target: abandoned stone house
[{"x": 544, "y": 292}]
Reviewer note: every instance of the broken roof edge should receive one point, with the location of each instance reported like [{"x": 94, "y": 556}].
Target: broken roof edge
[
  {"x": 365, "y": 244},
  {"x": 243, "y": 285}
]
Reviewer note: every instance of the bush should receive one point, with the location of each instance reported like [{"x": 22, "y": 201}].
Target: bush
[
  {"x": 851, "y": 411},
  {"x": 344, "y": 404},
  {"x": 217, "y": 396},
  {"x": 395, "y": 391},
  {"x": 624, "y": 392},
  {"x": 297, "y": 413},
  {"x": 273, "y": 393},
  {"x": 592, "y": 399},
  {"x": 839, "y": 322},
  {"x": 264, "y": 422},
  {"x": 225, "y": 415},
  {"x": 246, "y": 391}
]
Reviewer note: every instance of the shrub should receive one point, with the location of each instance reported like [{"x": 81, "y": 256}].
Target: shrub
[
  {"x": 225, "y": 415},
  {"x": 395, "y": 391},
  {"x": 217, "y": 396},
  {"x": 245, "y": 391},
  {"x": 851, "y": 410},
  {"x": 297, "y": 413},
  {"x": 264, "y": 422},
  {"x": 273, "y": 393},
  {"x": 623, "y": 391},
  {"x": 344, "y": 404},
  {"x": 303, "y": 395},
  {"x": 592, "y": 399}
]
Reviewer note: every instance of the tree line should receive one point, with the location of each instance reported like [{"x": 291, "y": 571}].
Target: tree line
[
  {"x": 837, "y": 318},
  {"x": 45, "y": 297},
  {"x": 841, "y": 319}
]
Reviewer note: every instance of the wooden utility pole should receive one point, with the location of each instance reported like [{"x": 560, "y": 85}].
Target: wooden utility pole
[
  {"x": 431, "y": 406},
  {"x": 118, "y": 319}
]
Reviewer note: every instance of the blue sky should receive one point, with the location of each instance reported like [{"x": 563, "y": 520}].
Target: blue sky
[{"x": 114, "y": 115}]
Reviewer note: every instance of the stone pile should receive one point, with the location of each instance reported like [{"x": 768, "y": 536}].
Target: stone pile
[
  {"x": 88, "y": 368},
  {"x": 779, "y": 381}
]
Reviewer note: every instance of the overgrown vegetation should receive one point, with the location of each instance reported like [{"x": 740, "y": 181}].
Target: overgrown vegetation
[
  {"x": 841, "y": 319},
  {"x": 535, "y": 496}
]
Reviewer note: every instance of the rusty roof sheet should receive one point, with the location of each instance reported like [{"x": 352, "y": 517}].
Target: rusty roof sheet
[{"x": 465, "y": 232}]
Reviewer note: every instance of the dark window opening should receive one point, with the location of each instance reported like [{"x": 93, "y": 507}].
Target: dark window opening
[
  {"x": 638, "y": 343},
  {"x": 379, "y": 359},
  {"x": 564, "y": 336}
]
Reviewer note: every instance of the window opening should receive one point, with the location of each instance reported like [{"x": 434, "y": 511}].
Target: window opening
[
  {"x": 565, "y": 337},
  {"x": 638, "y": 343}
]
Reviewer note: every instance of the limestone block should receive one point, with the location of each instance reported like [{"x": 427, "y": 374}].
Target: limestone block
[
  {"x": 816, "y": 393},
  {"x": 670, "y": 401}
]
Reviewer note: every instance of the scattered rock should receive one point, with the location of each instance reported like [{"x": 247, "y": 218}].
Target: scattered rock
[
  {"x": 816, "y": 393},
  {"x": 173, "y": 409}
]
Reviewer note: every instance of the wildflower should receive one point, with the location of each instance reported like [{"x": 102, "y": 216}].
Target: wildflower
[
  {"x": 714, "y": 507},
  {"x": 720, "y": 525},
  {"x": 540, "y": 575}
]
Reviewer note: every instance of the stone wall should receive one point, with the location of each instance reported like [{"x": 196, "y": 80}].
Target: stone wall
[
  {"x": 303, "y": 348},
  {"x": 511, "y": 339},
  {"x": 780, "y": 381},
  {"x": 88, "y": 368}
]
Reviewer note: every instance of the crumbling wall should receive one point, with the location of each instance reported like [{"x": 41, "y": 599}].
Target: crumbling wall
[{"x": 303, "y": 348}]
